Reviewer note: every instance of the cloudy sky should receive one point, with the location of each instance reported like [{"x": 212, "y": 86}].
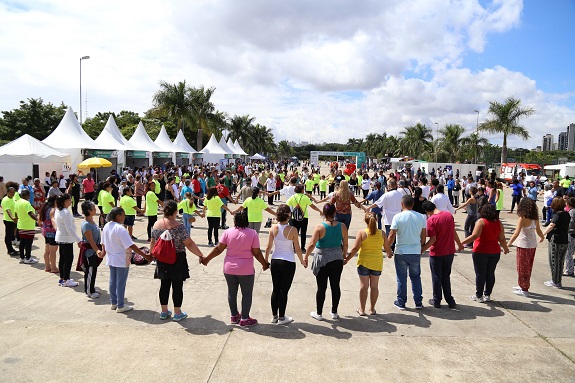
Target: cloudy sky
[{"x": 321, "y": 70}]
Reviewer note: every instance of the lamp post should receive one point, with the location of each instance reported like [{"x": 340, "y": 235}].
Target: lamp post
[
  {"x": 81, "y": 58},
  {"x": 436, "y": 140},
  {"x": 476, "y": 136}
]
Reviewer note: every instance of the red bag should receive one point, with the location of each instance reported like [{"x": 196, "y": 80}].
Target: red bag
[{"x": 164, "y": 249}]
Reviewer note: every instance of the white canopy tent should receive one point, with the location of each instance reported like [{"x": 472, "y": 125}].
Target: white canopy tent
[
  {"x": 164, "y": 142},
  {"x": 143, "y": 142},
  {"x": 18, "y": 158},
  {"x": 239, "y": 148},
  {"x": 257, "y": 156},
  {"x": 112, "y": 137},
  {"x": 69, "y": 137},
  {"x": 183, "y": 146},
  {"x": 225, "y": 146},
  {"x": 213, "y": 152},
  {"x": 230, "y": 144}
]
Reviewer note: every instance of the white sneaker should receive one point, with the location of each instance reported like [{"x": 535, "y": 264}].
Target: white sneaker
[
  {"x": 334, "y": 316},
  {"x": 274, "y": 319},
  {"x": 487, "y": 298},
  {"x": 124, "y": 309},
  {"x": 521, "y": 293},
  {"x": 315, "y": 315},
  {"x": 69, "y": 283},
  {"x": 551, "y": 284},
  {"x": 113, "y": 307},
  {"x": 517, "y": 288},
  {"x": 286, "y": 320},
  {"x": 477, "y": 299},
  {"x": 153, "y": 262},
  {"x": 93, "y": 295}
]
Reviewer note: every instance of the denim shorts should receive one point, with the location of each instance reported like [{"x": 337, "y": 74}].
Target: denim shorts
[
  {"x": 363, "y": 271},
  {"x": 50, "y": 241},
  {"x": 129, "y": 220}
]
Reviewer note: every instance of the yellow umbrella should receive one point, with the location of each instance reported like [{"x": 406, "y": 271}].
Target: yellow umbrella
[{"x": 95, "y": 162}]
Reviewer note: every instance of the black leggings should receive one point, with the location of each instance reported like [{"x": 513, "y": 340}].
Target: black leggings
[
  {"x": 271, "y": 199},
  {"x": 151, "y": 221},
  {"x": 213, "y": 224},
  {"x": 9, "y": 235},
  {"x": 282, "y": 276},
  {"x": 246, "y": 283},
  {"x": 515, "y": 200},
  {"x": 301, "y": 227},
  {"x": 26, "y": 247},
  {"x": 484, "y": 265},
  {"x": 66, "y": 251},
  {"x": 331, "y": 271},
  {"x": 90, "y": 271},
  {"x": 177, "y": 292}
]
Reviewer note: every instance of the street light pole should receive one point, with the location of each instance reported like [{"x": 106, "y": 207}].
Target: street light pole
[
  {"x": 476, "y": 135},
  {"x": 436, "y": 140},
  {"x": 81, "y": 58}
]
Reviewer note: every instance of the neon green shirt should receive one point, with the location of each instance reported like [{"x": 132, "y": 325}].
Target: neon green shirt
[
  {"x": 185, "y": 206},
  {"x": 300, "y": 199},
  {"x": 323, "y": 185},
  {"x": 565, "y": 183},
  {"x": 359, "y": 180},
  {"x": 316, "y": 178},
  {"x": 128, "y": 203},
  {"x": 100, "y": 197},
  {"x": 309, "y": 184},
  {"x": 282, "y": 176},
  {"x": 151, "y": 204},
  {"x": 25, "y": 222},
  {"x": 347, "y": 178},
  {"x": 16, "y": 196},
  {"x": 213, "y": 206},
  {"x": 255, "y": 208},
  {"x": 157, "y": 189},
  {"x": 106, "y": 199},
  {"x": 8, "y": 204}
]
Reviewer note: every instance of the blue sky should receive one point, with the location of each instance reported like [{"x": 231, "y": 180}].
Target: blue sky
[{"x": 317, "y": 71}]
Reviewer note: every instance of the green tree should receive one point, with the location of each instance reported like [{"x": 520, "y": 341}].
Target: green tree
[
  {"x": 93, "y": 126},
  {"x": 238, "y": 126},
  {"x": 174, "y": 101},
  {"x": 504, "y": 119},
  {"x": 33, "y": 117},
  {"x": 473, "y": 146},
  {"x": 450, "y": 143},
  {"x": 285, "y": 149},
  {"x": 205, "y": 118},
  {"x": 416, "y": 141}
]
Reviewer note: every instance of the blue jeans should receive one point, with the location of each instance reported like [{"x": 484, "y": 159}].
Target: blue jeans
[
  {"x": 405, "y": 263},
  {"x": 343, "y": 218},
  {"x": 118, "y": 278},
  {"x": 187, "y": 225}
]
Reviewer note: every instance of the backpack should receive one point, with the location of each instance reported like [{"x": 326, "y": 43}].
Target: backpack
[
  {"x": 164, "y": 249},
  {"x": 137, "y": 259},
  {"x": 297, "y": 213}
]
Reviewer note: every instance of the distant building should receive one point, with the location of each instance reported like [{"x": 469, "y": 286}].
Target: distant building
[
  {"x": 538, "y": 148},
  {"x": 547, "y": 142},
  {"x": 562, "y": 141},
  {"x": 571, "y": 137}
]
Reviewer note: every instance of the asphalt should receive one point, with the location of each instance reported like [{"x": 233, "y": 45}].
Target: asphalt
[{"x": 53, "y": 334}]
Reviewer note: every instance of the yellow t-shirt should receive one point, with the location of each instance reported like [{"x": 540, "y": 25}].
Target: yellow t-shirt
[
  {"x": 255, "y": 208},
  {"x": 8, "y": 204},
  {"x": 157, "y": 189},
  {"x": 213, "y": 206},
  {"x": 299, "y": 199},
  {"x": 185, "y": 206},
  {"x": 25, "y": 222},
  {"x": 106, "y": 199},
  {"x": 309, "y": 184},
  {"x": 370, "y": 255},
  {"x": 323, "y": 185},
  {"x": 316, "y": 178},
  {"x": 151, "y": 204},
  {"x": 128, "y": 203},
  {"x": 565, "y": 183}
]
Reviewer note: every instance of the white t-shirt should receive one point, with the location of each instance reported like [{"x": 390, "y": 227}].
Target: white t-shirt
[
  {"x": 390, "y": 205},
  {"x": 254, "y": 181},
  {"x": 288, "y": 191},
  {"x": 442, "y": 203},
  {"x": 271, "y": 184},
  {"x": 116, "y": 240},
  {"x": 425, "y": 191}
]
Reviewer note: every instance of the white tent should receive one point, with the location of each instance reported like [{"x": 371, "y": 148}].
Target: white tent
[
  {"x": 213, "y": 152},
  {"x": 111, "y": 137},
  {"x": 69, "y": 137},
  {"x": 17, "y": 159},
  {"x": 230, "y": 144},
  {"x": 142, "y": 141},
  {"x": 239, "y": 148},
  {"x": 182, "y": 146},
  {"x": 225, "y": 146},
  {"x": 164, "y": 142},
  {"x": 257, "y": 156}
]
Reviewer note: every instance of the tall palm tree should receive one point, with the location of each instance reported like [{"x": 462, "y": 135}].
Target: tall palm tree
[
  {"x": 285, "y": 149},
  {"x": 174, "y": 101},
  {"x": 239, "y": 126},
  {"x": 416, "y": 141},
  {"x": 205, "y": 118},
  {"x": 474, "y": 145},
  {"x": 449, "y": 144},
  {"x": 505, "y": 120}
]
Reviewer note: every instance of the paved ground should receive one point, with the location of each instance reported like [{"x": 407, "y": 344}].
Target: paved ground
[{"x": 52, "y": 334}]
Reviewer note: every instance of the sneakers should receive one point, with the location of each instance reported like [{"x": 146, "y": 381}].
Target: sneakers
[
  {"x": 165, "y": 314},
  {"x": 248, "y": 322},
  {"x": 153, "y": 261},
  {"x": 398, "y": 305},
  {"x": 521, "y": 293},
  {"x": 274, "y": 319},
  {"x": 235, "y": 319},
  {"x": 21, "y": 261},
  {"x": 334, "y": 316},
  {"x": 124, "y": 309},
  {"x": 477, "y": 299},
  {"x": 286, "y": 320},
  {"x": 418, "y": 306},
  {"x": 315, "y": 315},
  {"x": 452, "y": 305},
  {"x": 487, "y": 298},
  {"x": 180, "y": 316},
  {"x": 93, "y": 295},
  {"x": 210, "y": 244},
  {"x": 551, "y": 284},
  {"x": 113, "y": 307},
  {"x": 69, "y": 283}
]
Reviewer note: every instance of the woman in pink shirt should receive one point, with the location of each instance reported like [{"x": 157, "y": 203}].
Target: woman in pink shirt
[
  {"x": 88, "y": 186},
  {"x": 243, "y": 244}
]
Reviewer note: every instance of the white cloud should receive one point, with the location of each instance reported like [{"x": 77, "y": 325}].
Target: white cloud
[{"x": 289, "y": 64}]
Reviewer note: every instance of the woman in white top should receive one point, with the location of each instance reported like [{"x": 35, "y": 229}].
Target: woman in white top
[
  {"x": 116, "y": 244},
  {"x": 365, "y": 185},
  {"x": 284, "y": 238},
  {"x": 65, "y": 238},
  {"x": 526, "y": 241}
]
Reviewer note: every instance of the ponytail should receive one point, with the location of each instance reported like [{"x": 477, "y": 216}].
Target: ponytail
[
  {"x": 255, "y": 192},
  {"x": 371, "y": 223}
]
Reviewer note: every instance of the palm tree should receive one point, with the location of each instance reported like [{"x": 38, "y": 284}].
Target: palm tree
[
  {"x": 285, "y": 149},
  {"x": 416, "y": 141},
  {"x": 505, "y": 121},
  {"x": 239, "y": 126},
  {"x": 205, "y": 118},
  {"x": 174, "y": 101},
  {"x": 260, "y": 139},
  {"x": 474, "y": 145},
  {"x": 354, "y": 144},
  {"x": 450, "y": 142}
]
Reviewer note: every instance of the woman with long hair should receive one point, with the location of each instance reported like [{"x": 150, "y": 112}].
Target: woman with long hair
[
  {"x": 342, "y": 200},
  {"x": 212, "y": 210},
  {"x": 173, "y": 276},
  {"x": 65, "y": 238},
  {"x": 187, "y": 206},
  {"x": 557, "y": 234},
  {"x": 368, "y": 245},
  {"x": 48, "y": 223},
  {"x": 284, "y": 240},
  {"x": 243, "y": 245},
  {"x": 304, "y": 202},
  {"x": 329, "y": 240},
  {"x": 139, "y": 190},
  {"x": 90, "y": 243},
  {"x": 499, "y": 198},
  {"x": 471, "y": 209},
  {"x": 488, "y": 238},
  {"x": 418, "y": 200},
  {"x": 526, "y": 233}
]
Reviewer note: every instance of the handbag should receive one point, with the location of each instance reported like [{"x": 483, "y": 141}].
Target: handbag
[{"x": 164, "y": 249}]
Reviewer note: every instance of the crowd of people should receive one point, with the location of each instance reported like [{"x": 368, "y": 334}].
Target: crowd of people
[{"x": 406, "y": 214}]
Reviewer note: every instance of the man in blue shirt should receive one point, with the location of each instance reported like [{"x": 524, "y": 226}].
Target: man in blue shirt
[
  {"x": 450, "y": 186},
  {"x": 408, "y": 228}
]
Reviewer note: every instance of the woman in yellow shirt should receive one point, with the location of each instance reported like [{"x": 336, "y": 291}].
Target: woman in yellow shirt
[
  {"x": 188, "y": 208},
  {"x": 255, "y": 206},
  {"x": 368, "y": 244},
  {"x": 212, "y": 210}
]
